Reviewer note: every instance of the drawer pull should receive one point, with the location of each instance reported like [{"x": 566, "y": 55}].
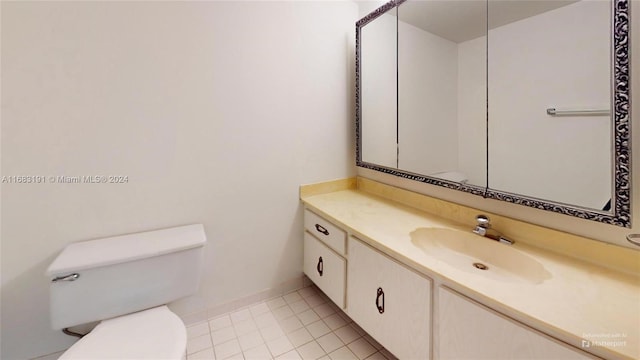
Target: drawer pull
[
  {"x": 380, "y": 304},
  {"x": 322, "y": 229},
  {"x": 320, "y": 266}
]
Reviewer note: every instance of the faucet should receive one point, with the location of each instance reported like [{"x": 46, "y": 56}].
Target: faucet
[{"x": 483, "y": 228}]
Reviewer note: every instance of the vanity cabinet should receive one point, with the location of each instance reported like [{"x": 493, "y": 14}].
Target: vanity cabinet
[
  {"x": 407, "y": 311},
  {"x": 389, "y": 301},
  {"x": 468, "y": 330},
  {"x": 324, "y": 263}
]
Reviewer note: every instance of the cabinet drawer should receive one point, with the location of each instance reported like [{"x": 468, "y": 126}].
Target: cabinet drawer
[
  {"x": 389, "y": 301},
  {"x": 325, "y": 268},
  {"x": 331, "y": 235}
]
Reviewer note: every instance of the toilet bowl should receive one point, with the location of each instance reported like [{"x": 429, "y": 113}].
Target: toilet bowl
[{"x": 125, "y": 282}]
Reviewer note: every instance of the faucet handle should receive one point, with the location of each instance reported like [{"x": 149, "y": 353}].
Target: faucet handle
[{"x": 483, "y": 221}]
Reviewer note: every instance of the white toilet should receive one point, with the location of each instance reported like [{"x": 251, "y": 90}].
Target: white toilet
[
  {"x": 455, "y": 176},
  {"x": 124, "y": 282}
]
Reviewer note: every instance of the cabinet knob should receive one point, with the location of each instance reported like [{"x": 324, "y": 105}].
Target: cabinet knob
[
  {"x": 320, "y": 266},
  {"x": 380, "y": 300}
]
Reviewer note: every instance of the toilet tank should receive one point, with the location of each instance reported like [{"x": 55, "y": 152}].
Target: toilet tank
[{"x": 103, "y": 278}]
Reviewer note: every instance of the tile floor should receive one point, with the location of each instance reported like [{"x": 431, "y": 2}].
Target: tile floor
[{"x": 302, "y": 324}]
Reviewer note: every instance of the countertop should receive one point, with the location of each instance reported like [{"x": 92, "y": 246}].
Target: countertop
[{"x": 579, "y": 301}]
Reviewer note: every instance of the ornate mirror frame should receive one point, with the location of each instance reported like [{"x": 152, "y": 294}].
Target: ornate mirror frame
[{"x": 621, "y": 199}]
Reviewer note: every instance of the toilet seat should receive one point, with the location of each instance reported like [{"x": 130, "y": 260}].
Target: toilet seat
[{"x": 155, "y": 333}]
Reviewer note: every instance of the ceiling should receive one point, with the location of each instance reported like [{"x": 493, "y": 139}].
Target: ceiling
[{"x": 462, "y": 20}]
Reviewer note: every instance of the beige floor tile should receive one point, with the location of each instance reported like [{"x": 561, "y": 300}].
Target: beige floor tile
[
  {"x": 347, "y": 334},
  {"x": 362, "y": 348},
  {"x": 264, "y": 320},
  {"x": 245, "y": 326},
  {"x": 220, "y": 322},
  {"x": 302, "y": 324},
  {"x": 240, "y": 315},
  {"x": 250, "y": 340},
  {"x": 300, "y": 337},
  {"x": 330, "y": 342},
  {"x": 290, "y": 324},
  {"x": 324, "y": 310},
  {"x": 276, "y": 303},
  {"x": 198, "y": 343},
  {"x": 282, "y": 312},
  {"x": 291, "y": 355},
  {"x": 206, "y": 354},
  {"x": 314, "y": 300},
  {"x": 334, "y": 321},
  {"x": 342, "y": 353},
  {"x": 292, "y": 297},
  {"x": 377, "y": 356},
  {"x": 223, "y": 335},
  {"x": 196, "y": 330},
  {"x": 260, "y": 352},
  {"x": 227, "y": 349},
  {"x": 308, "y": 317},
  {"x": 272, "y": 332},
  {"x": 279, "y": 346},
  {"x": 299, "y": 306},
  {"x": 259, "y": 309},
  {"x": 318, "y": 329},
  {"x": 311, "y": 351},
  {"x": 308, "y": 291}
]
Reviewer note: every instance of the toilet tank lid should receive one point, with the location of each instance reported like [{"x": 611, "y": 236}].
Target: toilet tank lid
[{"x": 118, "y": 249}]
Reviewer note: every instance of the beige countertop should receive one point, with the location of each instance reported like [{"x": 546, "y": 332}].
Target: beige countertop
[{"x": 579, "y": 301}]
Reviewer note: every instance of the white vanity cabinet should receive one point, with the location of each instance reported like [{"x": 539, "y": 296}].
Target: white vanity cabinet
[
  {"x": 389, "y": 301},
  {"x": 410, "y": 314},
  {"x": 468, "y": 330},
  {"x": 324, "y": 263}
]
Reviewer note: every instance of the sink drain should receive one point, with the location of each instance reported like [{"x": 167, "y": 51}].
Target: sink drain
[{"x": 480, "y": 266}]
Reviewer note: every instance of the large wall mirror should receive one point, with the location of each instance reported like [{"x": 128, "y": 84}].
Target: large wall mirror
[{"x": 525, "y": 101}]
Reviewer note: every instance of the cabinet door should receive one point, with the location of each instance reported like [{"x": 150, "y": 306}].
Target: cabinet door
[
  {"x": 325, "y": 268},
  {"x": 468, "y": 330},
  {"x": 389, "y": 301}
]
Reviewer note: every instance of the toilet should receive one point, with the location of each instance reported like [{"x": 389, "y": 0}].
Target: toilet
[
  {"x": 125, "y": 282},
  {"x": 455, "y": 176}
]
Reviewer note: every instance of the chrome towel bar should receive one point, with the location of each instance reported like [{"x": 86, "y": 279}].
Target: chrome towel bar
[{"x": 589, "y": 112}]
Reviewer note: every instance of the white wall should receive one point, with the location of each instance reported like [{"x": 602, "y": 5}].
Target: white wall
[
  {"x": 427, "y": 101},
  {"x": 565, "y": 64},
  {"x": 607, "y": 233},
  {"x": 216, "y": 111}
]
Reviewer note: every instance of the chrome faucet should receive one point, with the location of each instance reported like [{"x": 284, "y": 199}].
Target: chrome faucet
[{"x": 483, "y": 228}]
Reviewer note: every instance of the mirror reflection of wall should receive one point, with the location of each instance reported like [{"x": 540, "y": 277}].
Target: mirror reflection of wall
[
  {"x": 557, "y": 58},
  {"x": 442, "y": 89},
  {"x": 378, "y": 91}
]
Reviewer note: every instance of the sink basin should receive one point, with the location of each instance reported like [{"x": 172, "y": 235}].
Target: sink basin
[{"x": 474, "y": 253}]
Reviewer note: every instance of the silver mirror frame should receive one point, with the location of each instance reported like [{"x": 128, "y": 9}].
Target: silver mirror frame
[{"x": 621, "y": 197}]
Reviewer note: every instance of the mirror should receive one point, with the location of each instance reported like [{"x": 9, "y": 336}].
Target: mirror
[
  {"x": 565, "y": 66},
  {"x": 379, "y": 41},
  {"x": 442, "y": 89},
  {"x": 523, "y": 101}
]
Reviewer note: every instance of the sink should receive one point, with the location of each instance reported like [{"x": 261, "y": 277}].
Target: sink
[{"x": 474, "y": 253}]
